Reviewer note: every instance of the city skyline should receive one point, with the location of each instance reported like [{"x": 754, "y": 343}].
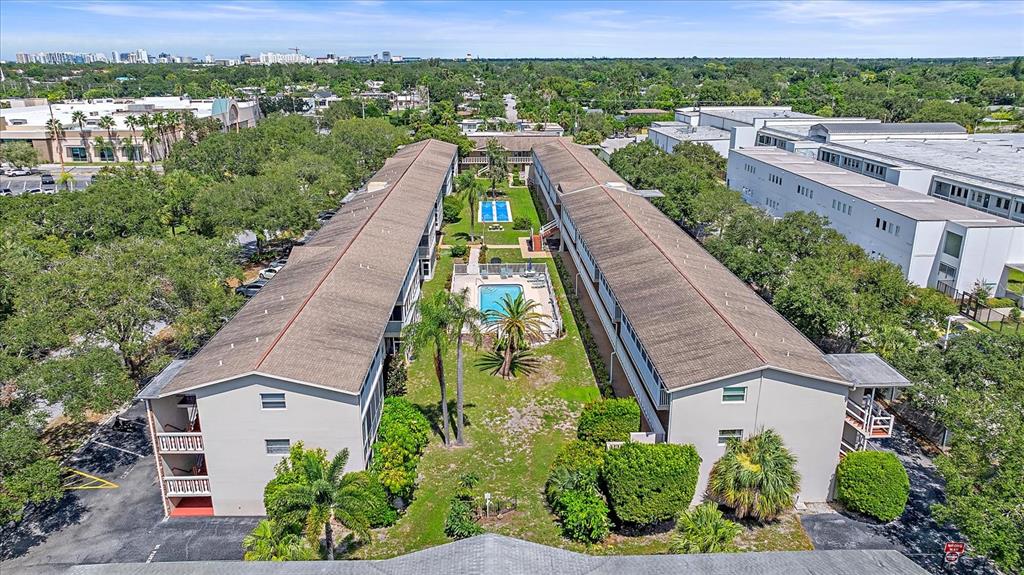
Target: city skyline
[{"x": 779, "y": 28}]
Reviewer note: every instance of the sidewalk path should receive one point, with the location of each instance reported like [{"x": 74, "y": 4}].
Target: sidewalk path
[{"x": 473, "y": 265}]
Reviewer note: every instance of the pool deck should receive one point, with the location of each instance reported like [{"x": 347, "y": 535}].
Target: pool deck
[{"x": 540, "y": 294}]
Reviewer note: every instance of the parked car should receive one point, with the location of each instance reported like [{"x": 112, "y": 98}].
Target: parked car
[
  {"x": 14, "y": 172},
  {"x": 270, "y": 271},
  {"x": 47, "y": 180},
  {"x": 250, "y": 289},
  {"x": 34, "y": 191},
  {"x": 326, "y": 215},
  {"x": 6, "y": 192}
]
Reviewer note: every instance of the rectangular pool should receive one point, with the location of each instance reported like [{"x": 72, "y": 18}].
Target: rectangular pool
[
  {"x": 492, "y": 294},
  {"x": 495, "y": 211}
]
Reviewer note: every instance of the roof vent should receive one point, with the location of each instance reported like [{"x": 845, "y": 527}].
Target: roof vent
[{"x": 374, "y": 186}]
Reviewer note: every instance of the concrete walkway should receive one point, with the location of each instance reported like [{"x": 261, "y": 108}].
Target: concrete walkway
[{"x": 473, "y": 265}]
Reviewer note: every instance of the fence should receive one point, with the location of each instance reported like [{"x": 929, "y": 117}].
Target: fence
[
  {"x": 528, "y": 270},
  {"x": 971, "y": 306}
]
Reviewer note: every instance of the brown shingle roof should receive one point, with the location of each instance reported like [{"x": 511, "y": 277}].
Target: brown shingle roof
[
  {"x": 515, "y": 142},
  {"x": 697, "y": 321},
  {"x": 320, "y": 320}
]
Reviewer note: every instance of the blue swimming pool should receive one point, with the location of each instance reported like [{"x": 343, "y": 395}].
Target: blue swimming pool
[
  {"x": 495, "y": 211},
  {"x": 491, "y": 295}
]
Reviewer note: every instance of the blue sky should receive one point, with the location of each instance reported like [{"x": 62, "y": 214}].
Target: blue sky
[{"x": 790, "y": 28}]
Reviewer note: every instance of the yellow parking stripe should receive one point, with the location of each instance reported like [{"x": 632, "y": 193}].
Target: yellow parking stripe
[{"x": 82, "y": 480}]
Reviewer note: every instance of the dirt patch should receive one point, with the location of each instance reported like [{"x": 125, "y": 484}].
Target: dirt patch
[
  {"x": 548, "y": 372},
  {"x": 518, "y": 425}
]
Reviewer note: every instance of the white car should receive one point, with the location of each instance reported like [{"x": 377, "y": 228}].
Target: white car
[
  {"x": 270, "y": 272},
  {"x": 14, "y": 172}
]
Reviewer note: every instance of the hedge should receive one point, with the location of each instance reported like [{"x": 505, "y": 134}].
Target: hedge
[
  {"x": 873, "y": 483},
  {"x": 584, "y": 515},
  {"x": 647, "y": 483},
  {"x": 609, "y": 420},
  {"x": 572, "y": 492},
  {"x": 577, "y": 466},
  {"x": 402, "y": 435},
  {"x": 378, "y": 505}
]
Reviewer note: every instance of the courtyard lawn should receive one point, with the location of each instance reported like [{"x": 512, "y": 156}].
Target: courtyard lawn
[{"x": 521, "y": 204}]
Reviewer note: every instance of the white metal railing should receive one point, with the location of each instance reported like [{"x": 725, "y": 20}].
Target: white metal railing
[
  {"x": 874, "y": 423},
  {"x": 187, "y": 485},
  {"x": 846, "y": 448},
  {"x": 547, "y": 227},
  {"x": 179, "y": 442}
]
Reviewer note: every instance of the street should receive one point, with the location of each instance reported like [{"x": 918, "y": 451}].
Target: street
[{"x": 116, "y": 514}]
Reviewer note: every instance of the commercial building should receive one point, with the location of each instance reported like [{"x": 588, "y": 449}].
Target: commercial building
[
  {"x": 668, "y": 135},
  {"x": 122, "y": 140},
  {"x": 935, "y": 242},
  {"x": 705, "y": 357},
  {"x": 303, "y": 360}
]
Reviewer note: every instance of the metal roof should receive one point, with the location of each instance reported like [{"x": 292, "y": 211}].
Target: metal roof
[
  {"x": 697, "y": 321},
  {"x": 492, "y": 554},
  {"x": 687, "y": 133},
  {"x": 866, "y": 370},
  {"x": 321, "y": 318},
  {"x": 908, "y": 203},
  {"x": 875, "y": 128}
]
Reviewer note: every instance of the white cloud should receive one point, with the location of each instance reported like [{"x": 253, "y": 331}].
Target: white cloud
[{"x": 865, "y": 13}]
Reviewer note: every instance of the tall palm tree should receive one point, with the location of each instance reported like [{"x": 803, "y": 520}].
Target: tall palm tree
[
  {"x": 173, "y": 119},
  {"x": 55, "y": 131},
  {"x": 149, "y": 136},
  {"x": 431, "y": 332},
  {"x": 517, "y": 324},
  {"x": 474, "y": 197},
  {"x": 160, "y": 124},
  {"x": 497, "y": 162},
  {"x": 322, "y": 493},
  {"x": 132, "y": 121},
  {"x": 267, "y": 543},
  {"x": 108, "y": 124},
  {"x": 100, "y": 143},
  {"x": 756, "y": 477},
  {"x": 127, "y": 148},
  {"x": 78, "y": 117},
  {"x": 464, "y": 318}
]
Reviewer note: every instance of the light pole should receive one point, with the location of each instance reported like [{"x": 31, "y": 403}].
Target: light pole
[{"x": 949, "y": 326}]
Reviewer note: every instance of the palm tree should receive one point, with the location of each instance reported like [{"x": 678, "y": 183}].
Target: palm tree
[
  {"x": 100, "y": 144},
  {"x": 127, "y": 148},
  {"x": 108, "y": 124},
  {"x": 517, "y": 324},
  {"x": 172, "y": 119},
  {"x": 149, "y": 136},
  {"x": 132, "y": 121},
  {"x": 78, "y": 117},
  {"x": 160, "y": 124},
  {"x": 55, "y": 131},
  {"x": 756, "y": 477},
  {"x": 497, "y": 162},
  {"x": 432, "y": 331},
  {"x": 265, "y": 543},
  {"x": 703, "y": 529},
  {"x": 464, "y": 317},
  {"x": 322, "y": 493},
  {"x": 474, "y": 196}
]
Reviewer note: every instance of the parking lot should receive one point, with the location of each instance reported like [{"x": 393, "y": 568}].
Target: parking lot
[
  {"x": 19, "y": 185},
  {"x": 117, "y": 517}
]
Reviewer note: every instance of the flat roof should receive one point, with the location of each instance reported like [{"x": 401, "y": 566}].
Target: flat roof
[
  {"x": 686, "y": 133},
  {"x": 748, "y": 115},
  {"x": 990, "y": 161},
  {"x": 866, "y": 370},
  {"x": 37, "y": 116},
  {"x": 874, "y": 128},
  {"x": 492, "y": 554},
  {"x": 908, "y": 203},
  {"x": 697, "y": 321},
  {"x": 321, "y": 318}
]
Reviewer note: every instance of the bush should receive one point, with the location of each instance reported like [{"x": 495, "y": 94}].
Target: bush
[
  {"x": 378, "y": 505},
  {"x": 395, "y": 467},
  {"x": 756, "y": 477},
  {"x": 873, "y": 483},
  {"x": 517, "y": 179},
  {"x": 1000, "y": 302},
  {"x": 609, "y": 420},
  {"x": 584, "y": 515},
  {"x": 648, "y": 483},
  {"x": 403, "y": 424},
  {"x": 521, "y": 223},
  {"x": 460, "y": 522},
  {"x": 452, "y": 207},
  {"x": 704, "y": 529},
  {"x": 397, "y": 376},
  {"x": 577, "y": 466},
  {"x": 459, "y": 251}
]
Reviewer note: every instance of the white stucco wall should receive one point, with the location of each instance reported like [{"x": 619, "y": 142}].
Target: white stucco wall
[
  {"x": 235, "y": 426},
  {"x": 807, "y": 413}
]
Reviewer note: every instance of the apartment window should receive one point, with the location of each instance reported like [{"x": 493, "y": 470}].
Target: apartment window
[
  {"x": 724, "y": 435},
  {"x": 842, "y": 207},
  {"x": 771, "y": 203},
  {"x": 278, "y": 446},
  {"x": 874, "y": 170},
  {"x": 272, "y": 400},
  {"x": 830, "y": 157},
  {"x": 777, "y": 180},
  {"x": 806, "y": 192},
  {"x": 734, "y": 394},
  {"x": 953, "y": 244},
  {"x": 750, "y": 169},
  {"x": 851, "y": 163}
]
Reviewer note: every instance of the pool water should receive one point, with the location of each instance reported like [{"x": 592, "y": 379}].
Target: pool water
[
  {"x": 491, "y": 295},
  {"x": 495, "y": 211}
]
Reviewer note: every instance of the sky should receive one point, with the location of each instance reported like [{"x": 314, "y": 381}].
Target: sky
[{"x": 525, "y": 29}]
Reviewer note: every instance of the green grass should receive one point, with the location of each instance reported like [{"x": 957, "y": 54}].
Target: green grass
[
  {"x": 1015, "y": 281},
  {"x": 513, "y": 429},
  {"x": 521, "y": 204}
]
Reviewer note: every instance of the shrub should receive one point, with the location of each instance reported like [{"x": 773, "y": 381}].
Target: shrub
[
  {"x": 395, "y": 466},
  {"x": 1000, "y": 302},
  {"x": 403, "y": 424},
  {"x": 577, "y": 466},
  {"x": 517, "y": 179},
  {"x": 756, "y": 477},
  {"x": 647, "y": 483},
  {"x": 459, "y": 251},
  {"x": 584, "y": 515},
  {"x": 379, "y": 511},
  {"x": 873, "y": 483},
  {"x": 460, "y": 522},
  {"x": 483, "y": 254},
  {"x": 521, "y": 223},
  {"x": 609, "y": 420},
  {"x": 704, "y": 529},
  {"x": 397, "y": 376},
  {"x": 451, "y": 209}
]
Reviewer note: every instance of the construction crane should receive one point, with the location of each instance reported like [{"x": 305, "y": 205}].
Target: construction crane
[{"x": 296, "y": 50}]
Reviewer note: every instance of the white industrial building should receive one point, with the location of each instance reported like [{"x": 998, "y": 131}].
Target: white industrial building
[
  {"x": 303, "y": 359},
  {"x": 936, "y": 243},
  {"x": 705, "y": 357},
  {"x": 668, "y": 135}
]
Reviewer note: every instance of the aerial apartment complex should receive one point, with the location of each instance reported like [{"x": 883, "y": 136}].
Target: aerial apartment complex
[
  {"x": 936, "y": 243},
  {"x": 705, "y": 357},
  {"x": 26, "y": 120},
  {"x": 303, "y": 359}
]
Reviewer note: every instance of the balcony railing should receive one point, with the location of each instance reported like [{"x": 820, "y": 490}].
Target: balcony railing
[
  {"x": 188, "y": 486},
  {"x": 179, "y": 442},
  {"x": 873, "y": 424}
]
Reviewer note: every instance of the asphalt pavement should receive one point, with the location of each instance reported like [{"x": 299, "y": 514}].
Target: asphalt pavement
[
  {"x": 916, "y": 533},
  {"x": 116, "y": 523}
]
